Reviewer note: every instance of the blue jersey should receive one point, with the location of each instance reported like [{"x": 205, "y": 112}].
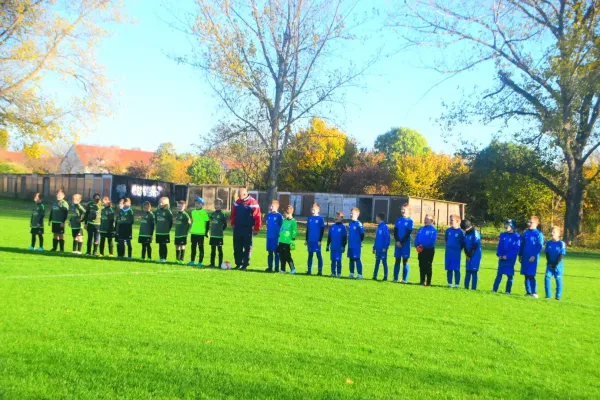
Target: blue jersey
[
  {"x": 473, "y": 249},
  {"x": 336, "y": 241},
  {"x": 356, "y": 234},
  {"x": 455, "y": 241},
  {"x": 426, "y": 237},
  {"x": 382, "y": 237},
  {"x": 532, "y": 242},
  {"x": 274, "y": 221},
  {"x": 314, "y": 229},
  {"x": 402, "y": 230},
  {"x": 509, "y": 246},
  {"x": 554, "y": 250}
]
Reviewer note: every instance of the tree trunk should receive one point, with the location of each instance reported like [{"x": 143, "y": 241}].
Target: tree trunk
[
  {"x": 574, "y": 204},
  {"x": 273, "y": 177}
]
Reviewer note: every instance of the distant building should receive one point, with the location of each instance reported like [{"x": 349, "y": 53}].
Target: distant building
[
  {"x": 15, "y": 157},
  {"x": 85, "y": 159}
]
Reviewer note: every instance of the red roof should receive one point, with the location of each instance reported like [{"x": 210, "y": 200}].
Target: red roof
[
  {"x": 111, "y": 156},
  {"x": 12, "y": 156}
]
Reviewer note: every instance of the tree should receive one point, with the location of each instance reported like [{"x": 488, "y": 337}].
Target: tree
[
  {"x": 273, "y": 63},
  {"x": 140, "y": 169},
  {"x": 4, "y": 139},
  {"x": 316, "y": 158},
  {"x": 10, "y": 168},
  {"x": 368, "y": 174},
  {"x": 165, "y": 162},
  {"x": 401, "y": 141},
  {"x": 421, "y": 175},
  {"x": 205, "y": 170},
  {"x": 236, "y": 177},
  {"x": 42, "y": 40},
  {"x": 547, "y": 78}
]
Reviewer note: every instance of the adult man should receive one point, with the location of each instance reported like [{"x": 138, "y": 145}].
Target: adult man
[{"x": 246, "y": 221}]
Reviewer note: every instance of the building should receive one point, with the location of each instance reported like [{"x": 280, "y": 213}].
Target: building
[
  {"x": 86, "y": 159},
  {"x": 14, "y": 157}
]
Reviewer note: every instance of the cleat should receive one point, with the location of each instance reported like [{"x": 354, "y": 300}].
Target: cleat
[
  {"x": 535, "y": 296},
  {"x": 339, "y": 275},
  {"x": 40, "y": 249},
  {"x": 129, "y": 258},
  {"x": 110, "y": 255},
  {"x": 457, "y": 286},
  {"x": 269, "y": 270},
  {"x": 293, "y": 272},
  {"x": 351, "y": 276},
  {"x": 191, "y": 263},
  {"x": 404, "y": 281},
  {"x": 282, "y": 271},
  {"x": 31, "y": 248},
  {"x": 245, "y": 269},
  {"x": 333, "y": 275},
  {"x": 158, "y": 261},
  {"x": 449, "y": 285},
  {"x": 319, "y": 274},
  {"x": 396, "y": 281},
  {"x": 199, "y": 265},
  {"x": 359, "y": 277}
]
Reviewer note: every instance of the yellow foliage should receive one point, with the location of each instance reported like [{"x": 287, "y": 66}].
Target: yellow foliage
[{"x": 421, "y": 175}]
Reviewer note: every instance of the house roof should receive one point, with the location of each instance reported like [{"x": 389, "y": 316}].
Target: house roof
[
  {"x": 13, "y": 156},
  {"x": 111, "y": 155}
]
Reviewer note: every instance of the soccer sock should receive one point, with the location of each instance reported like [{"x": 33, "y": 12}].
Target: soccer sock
[
  {"x": 220, "y": 249},
  {"x": 111, "y": 247},
  {"x": 41, "y": 240},
  {"x": 88, "y": 246},
  {"x": 193, "y": 251},
  {"x": 212, "y": 254},
  {"x": 449, "y": 277},
  {"x": 80, "y": 246},
  {"x": 509, "y": 283},
  {"x": 75, "y": 246},
  {"x": 61, "y": 243},
  {"x": 359, "y": 267},
  {"x": 457, "y": 277},
  {"x": 143, "y": 250},
  {"x": 396, "y": 269},
  {"x": 182, "y": 254},
  {"x": 385, "y": 268},
  {"x": 375, "y": 271},
  {"x": 129, "y": 249},
  {"x": 201, "y": 258},
  {"x": 310, "y": 261},
  {"x": 270, "y": 260},
  {"x": 32, "y": 240},
  {"x": 405, "y": 271},
  {"x": 54, "y": 244},
  {"x": 177, "y": 254},
  {"x": 352, "y": 265},
  {"x": 320, "y": 261},
  {"x": 475, "y": 279},
  {"x": 149, "y": 250},
  {"x": 95, "y": 248}
]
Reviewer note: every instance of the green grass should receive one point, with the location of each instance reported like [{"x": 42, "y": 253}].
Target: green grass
[{"x": 73, "y": 327}]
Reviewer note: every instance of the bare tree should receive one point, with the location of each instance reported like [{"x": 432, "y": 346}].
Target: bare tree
[{"x": 545, "y": 54}]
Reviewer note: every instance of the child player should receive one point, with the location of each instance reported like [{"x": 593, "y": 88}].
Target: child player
[
  {"x": 356, "y": 235},
  {"x": 380, "y": 248},
  {"x": 556, "y": 249},
  {"x": 218, "y": 223},
  {"x": 425, "y": 246},
  {"x": 472, "y": 253},
  {"x": 146, "y": 231},
  {"x": 455, "y": 241},
  {"x": 58, "y": 216},
  {"x": 93, "y": 219},
  {"x": 509, "y": 246},
  {"x": 315, "y": 227},
  {"x": 402, "y": 231},
  {"x": 163, "y": 225},
  {"x": 336, "y": 242},
  {"x": 532, "y": 243},
  {"x": 199, "y": 230},
  {"x": 183, "y": 223},
  {"x": 107, "y": 226},
  {"x": 287, "y": 240},
  {"x": 76, "y": 213},
  {"x": 125, "y": 221},
  {"x": 274, "y": 222},
  {"x": 37, "y": 222}
]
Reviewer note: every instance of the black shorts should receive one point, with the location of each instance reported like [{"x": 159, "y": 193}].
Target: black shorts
[
  {"x": 37, "y": 231},
  {"x": 77, "y": 232},
  {"x": 107, "y": 235},
  {"x": 161, "y": 239},
  {"x": 57, "y": 229},
  {"x": 216, "y": 241},
  {"x": 124, "y": 232},
  {"x": 180, "y": 241},
  {"x": 145, "y": 239},
  {"x": 94, "y": 231}
]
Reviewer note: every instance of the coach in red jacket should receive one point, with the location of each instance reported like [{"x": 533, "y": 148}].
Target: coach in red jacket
[{"x": 246, "y": 221}]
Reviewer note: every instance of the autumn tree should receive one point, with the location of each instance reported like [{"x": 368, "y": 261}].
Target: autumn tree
[
  {"x": 421, "y": 175},
  {"x": 51, "y": 40},
  {"x": 547, "y": 78},
  {"x": 316, "y": 158},
  {"x": 205, "y": 170},
  {"x": 165, "y": 162},
  {"x": 272, "y": 64},
  {"x": 401, "y": 142},
  {"x": 140, "y": 169},
  {"x": 367, "y": 174}
]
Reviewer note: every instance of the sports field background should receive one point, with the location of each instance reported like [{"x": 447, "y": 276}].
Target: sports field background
[{"x": 77, "y": 327}]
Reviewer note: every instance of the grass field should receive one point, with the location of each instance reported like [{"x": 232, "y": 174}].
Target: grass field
[{"x": 73, "y": 327}]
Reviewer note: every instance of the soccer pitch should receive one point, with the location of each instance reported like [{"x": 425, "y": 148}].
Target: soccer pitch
[{"x": 77, "y": 327}]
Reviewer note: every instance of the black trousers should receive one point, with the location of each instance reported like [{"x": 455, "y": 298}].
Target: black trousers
[
  {"x": 241, "y": 249},
  {"x": 425, "y": 265},
  {"x": 198, "y": 241},
  {"x": 285, "y": 256},
  {"x": 93, "y": 238}
]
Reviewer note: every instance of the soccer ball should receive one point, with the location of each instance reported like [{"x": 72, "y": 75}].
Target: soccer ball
[{"x": 226, "y": 265}]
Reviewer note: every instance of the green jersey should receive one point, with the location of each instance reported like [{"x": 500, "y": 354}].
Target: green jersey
[
  {"x": 218, "y": 223},
  {"x": 200, "y": 222},
  {"x": 93, "y": 213},
  {"x": 182, "y": 224},
  {"x": 147, "y": 225},
  {"x": 163, "y": 218},
  {"x": 107, "y": 220},
  {"x": 37, "y": 216},
  {"x": 59, "y": 211},
  {"x": 125, "y": 217},
  {"x": 288, "y": 231},
  {"x": 76, "y": 212}
]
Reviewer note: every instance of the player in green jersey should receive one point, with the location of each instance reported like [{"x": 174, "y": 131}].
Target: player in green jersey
[
  {"x": 37, "y": 222},
  {"x": 146, "y": 231},
  {"x": 58, "y": 216},
  {"x": 163, "y": 219},
  {"x": 76, "y": 214},
  {"x": 183, "y": 222},
  {"x": 125, "y": 221},
  {"x": 218, "y": 223}
]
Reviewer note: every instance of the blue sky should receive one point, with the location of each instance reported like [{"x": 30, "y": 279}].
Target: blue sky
[{"x": 156, "y": 100}]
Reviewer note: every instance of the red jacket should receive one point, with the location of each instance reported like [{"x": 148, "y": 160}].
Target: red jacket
[{"x": 245, "y": 216}]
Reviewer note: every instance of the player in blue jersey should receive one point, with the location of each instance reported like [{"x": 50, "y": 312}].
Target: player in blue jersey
[
  {"x": 336, "y": 244},
  {"x": 555, "y": 251},
  {"x": 472, "y": 253},
  {"x": 315, "y": 227},
  {"x": 274, "y": 220},
  {"x": 509, "y": 246},
  {"x": 381, "y": 245},
  {"x": 455, "y": 242},
  {"x": 356, "y": 235},
  {"x": 425, "y": 246},
  {"x": 402, "y": 230},
  {"x": 532, "y": 243}
]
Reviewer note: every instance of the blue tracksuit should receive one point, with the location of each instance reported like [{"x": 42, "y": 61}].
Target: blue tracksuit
[
  {"x": 274, "y": 221},
  {"x": 509, "y": 246},
  {"x": 532, "y": 242},
  {"x": 356, "y": 234},
  {"x": 473, "y": 254},
  {"x": 336, "y": 244},
  {"x": 426, "y": 237},
  {"x": 554, "y": 268},
  {"x": 455, "y": 241},
  {"x": 402, "y": 231},
  {"x": 382, "y": 243},
  {"x": 315, "y": 226}
]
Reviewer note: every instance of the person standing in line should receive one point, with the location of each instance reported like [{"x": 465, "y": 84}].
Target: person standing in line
[
  {"x": 509, "y": 246},
  {"x": 472, "y": 253},
  {"x": 36, "y": 222},
  {"x": 555, "y": 251},
  {"x": 532, "y": 243},
  {"x": 380, "y": 247},
  {"x": 455, "y": 242},
  {"x": 199, "y": 231},
  {"x": 246, "y": 222},
  {"x": 425, "y": 246},
  {"x": 274, "y": 221},
  {"x": 356, "y": 235},
  {"x": 402, "y": 230},
  {"x": 218, "y": 223}
]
